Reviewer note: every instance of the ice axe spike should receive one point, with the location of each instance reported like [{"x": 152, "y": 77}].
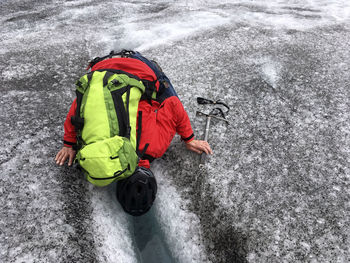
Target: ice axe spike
[{"x": 207, "y": 126}]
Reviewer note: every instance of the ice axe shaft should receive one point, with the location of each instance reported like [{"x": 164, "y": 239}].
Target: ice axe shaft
[
  {"x": 207, "y": 127},
  {"x": 206, "y": 135}
]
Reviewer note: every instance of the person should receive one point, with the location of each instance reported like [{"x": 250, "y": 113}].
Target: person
[{"x": 162, "y": 117}]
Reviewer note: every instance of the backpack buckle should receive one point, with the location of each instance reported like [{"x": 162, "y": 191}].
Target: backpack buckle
[{"x": 93, "y": 62}]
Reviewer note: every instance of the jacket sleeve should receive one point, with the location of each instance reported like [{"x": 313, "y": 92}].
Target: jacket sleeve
[
  {"x": 69, "y": 138},
  {"x": 144, "y": 163},
  {"x": 183, "y": 124}
]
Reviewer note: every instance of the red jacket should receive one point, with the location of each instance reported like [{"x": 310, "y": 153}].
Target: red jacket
[{"x": 161, "y": 120}]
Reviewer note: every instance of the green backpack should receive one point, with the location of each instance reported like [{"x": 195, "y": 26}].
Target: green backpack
[{"x": 105, "y": 120}]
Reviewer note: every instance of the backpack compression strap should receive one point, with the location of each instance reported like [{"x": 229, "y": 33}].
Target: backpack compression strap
[
  {"x": 122, "y": 114},
  {"x": 142, "y": 155}
]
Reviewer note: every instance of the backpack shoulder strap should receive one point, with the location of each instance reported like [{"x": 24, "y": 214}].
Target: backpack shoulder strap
[
  {"x": 81, "y": 86},
  {"x": 118, "y": 85}
]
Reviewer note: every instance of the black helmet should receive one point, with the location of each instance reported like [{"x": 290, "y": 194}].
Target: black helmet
[{"x": 137, "y": 192}]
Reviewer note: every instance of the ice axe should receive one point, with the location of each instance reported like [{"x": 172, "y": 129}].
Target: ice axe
[{"x": 216, "y": 113}]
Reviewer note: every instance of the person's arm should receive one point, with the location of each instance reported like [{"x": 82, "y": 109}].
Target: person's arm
[
  {"x": 184, "y": 129},
  {"x": 183, "y": 124},
  {"x": 70, "y": 135},
  {"x": 69, "y": 139}
]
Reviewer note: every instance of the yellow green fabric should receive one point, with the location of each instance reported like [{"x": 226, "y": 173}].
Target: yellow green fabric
[
  {"x": 105, "y": 156},
  {"x": 96, "y": 124},
  {"x": 104, "y": 161}
]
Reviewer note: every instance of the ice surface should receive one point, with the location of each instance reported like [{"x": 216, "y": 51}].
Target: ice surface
[
  {"x": 277, "y": 187},
  {"x": 181, "y": 227},
  {"x": 172, "y": 22},
  {"x": 112, "y": 227},
  {"x": 149, "y": 31}
]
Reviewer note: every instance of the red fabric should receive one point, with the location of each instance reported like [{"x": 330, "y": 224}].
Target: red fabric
[
  {"x": 160, "y": 122},
  {"x": 144, "y": 163},
  {"x": 70, "y": 135},
  {"x": 130, "y": 65}
]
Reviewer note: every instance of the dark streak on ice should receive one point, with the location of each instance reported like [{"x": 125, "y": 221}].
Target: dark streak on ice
[
  {"x": 223, "y": 242},
  {"x": 51, "y": 222},
  {"x": 77, "y": 212}
]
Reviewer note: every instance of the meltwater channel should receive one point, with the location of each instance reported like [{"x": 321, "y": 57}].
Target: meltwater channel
[
  {"x": 149, "y": 240},
  {"x": 166, "y": 233}
]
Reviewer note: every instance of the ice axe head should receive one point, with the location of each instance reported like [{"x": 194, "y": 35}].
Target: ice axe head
[
  {"x": 216, "y": 113},
  {"x": 204, "y": 101}
]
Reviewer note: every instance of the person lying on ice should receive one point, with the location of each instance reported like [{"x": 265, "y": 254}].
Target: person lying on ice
[{"x": 150, "y": 117}]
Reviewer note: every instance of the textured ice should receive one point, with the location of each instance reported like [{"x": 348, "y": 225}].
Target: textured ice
[
  {"x": 112, "y": 227},
  {"x": 149, "y": 31},
  {"x": 277, "y": 187},
  {"x": 181, "y": 227}
]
